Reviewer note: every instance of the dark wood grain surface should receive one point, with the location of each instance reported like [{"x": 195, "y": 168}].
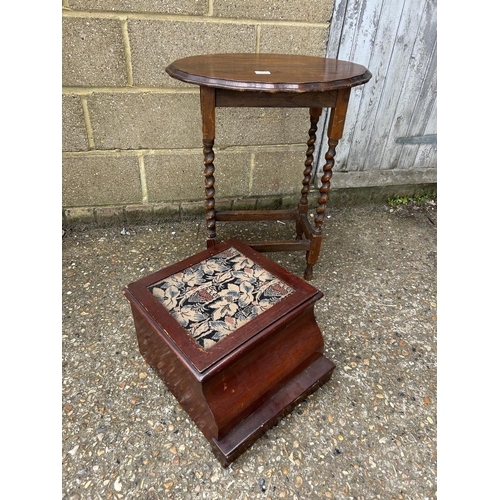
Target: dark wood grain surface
[{"x": 269, "y": 72}]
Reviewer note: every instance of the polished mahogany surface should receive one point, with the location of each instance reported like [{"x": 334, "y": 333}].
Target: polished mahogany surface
[{"x": 269, "y": 72}]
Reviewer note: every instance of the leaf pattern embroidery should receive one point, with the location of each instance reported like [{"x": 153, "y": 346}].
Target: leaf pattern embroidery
[{"x": 218, "y": 295}]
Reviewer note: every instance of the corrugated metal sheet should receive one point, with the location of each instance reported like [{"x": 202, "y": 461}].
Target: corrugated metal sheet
[{"x": 396, "y": 40}]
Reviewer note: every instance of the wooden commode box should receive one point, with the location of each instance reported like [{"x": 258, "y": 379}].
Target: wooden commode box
[{"x": 233, "y": 336}]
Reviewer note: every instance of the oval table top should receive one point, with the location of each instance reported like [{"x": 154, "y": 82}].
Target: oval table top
[{"x": 269, "y": 72}]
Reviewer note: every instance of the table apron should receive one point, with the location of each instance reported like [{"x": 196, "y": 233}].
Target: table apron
[{"x": 243, "y": 99}]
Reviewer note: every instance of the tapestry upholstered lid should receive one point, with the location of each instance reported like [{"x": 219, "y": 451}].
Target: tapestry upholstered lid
[{"x": 216, "y": 296}]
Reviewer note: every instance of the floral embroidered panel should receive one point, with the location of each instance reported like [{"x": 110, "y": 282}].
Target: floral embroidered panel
[{"x": 218, "y": 295}]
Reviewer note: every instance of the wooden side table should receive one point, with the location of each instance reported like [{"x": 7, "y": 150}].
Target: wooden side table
[{"x": 273, "y": 80}]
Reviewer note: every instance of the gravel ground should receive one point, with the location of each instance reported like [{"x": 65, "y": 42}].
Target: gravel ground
[{"x": 368, "y": 433}]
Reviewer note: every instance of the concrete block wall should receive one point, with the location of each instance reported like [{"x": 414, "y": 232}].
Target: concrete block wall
[{"x": 131, "y": 135}]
